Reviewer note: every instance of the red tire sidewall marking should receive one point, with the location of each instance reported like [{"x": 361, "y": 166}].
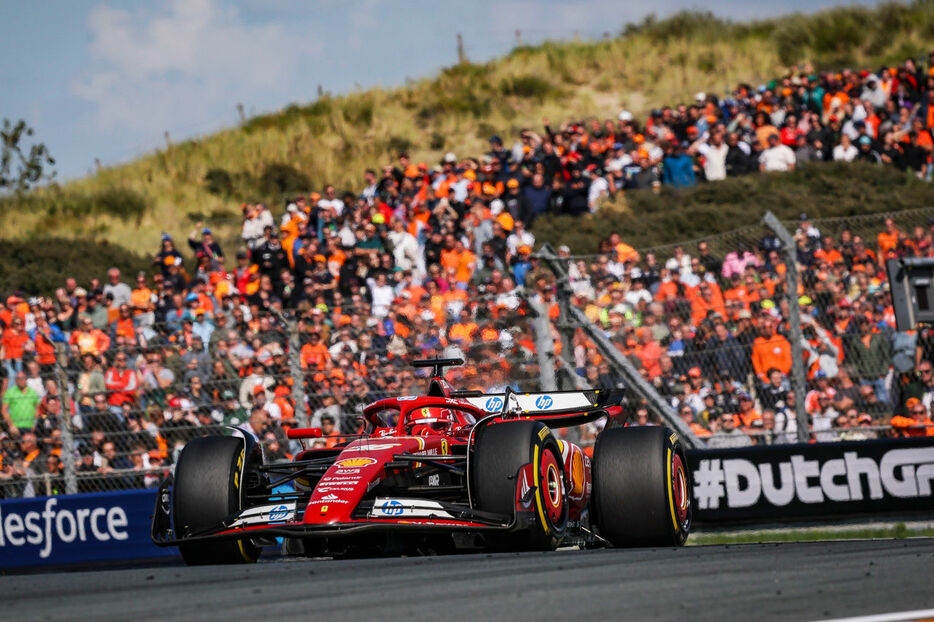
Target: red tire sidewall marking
[
  {"x": 679, "y": 488},
  {"x": 552, "y": 488}
]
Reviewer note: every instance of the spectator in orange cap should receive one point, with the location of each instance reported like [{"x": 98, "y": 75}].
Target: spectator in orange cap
[{"x": 918, "y": 423}]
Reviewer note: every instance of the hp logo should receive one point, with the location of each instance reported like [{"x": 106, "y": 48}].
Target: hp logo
[
  {"x": 278, "y": 513},
  {"x": 543, "y": 402},
  {"x": 494, "y": 403},
  {"x": 391, "y": 508}
]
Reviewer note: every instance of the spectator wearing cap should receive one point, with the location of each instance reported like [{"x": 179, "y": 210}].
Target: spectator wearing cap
[
  {"x": 206, "y": 246},
  {"x": 728, "y": 434},
  {"x": 677, "y": 167},
  {"x": 916, "y": 423},
  {"x": 167, "y": 254},
  {"x": 518, "y": 205}
]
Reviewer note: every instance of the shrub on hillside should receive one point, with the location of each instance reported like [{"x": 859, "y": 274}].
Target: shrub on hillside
[
  {"x": 41, "y": 264},
  {"x": 646, "y": 219},
  {"x": 217, "y": 181},
  {"x": 278, "y": 179}
]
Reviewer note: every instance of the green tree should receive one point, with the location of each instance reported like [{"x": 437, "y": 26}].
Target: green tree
[{"x": 22, "y": 167}]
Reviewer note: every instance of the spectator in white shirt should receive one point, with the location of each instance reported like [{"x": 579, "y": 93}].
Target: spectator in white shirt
[
  {"x": 714, "y": 151},
  {"x": 845, "y": 151},
  {"x": 382, "y": 294},
  {"x": 777, "y": 157},
  {"x": 404, "y": 245},
  {"x": 330, "y": 200},
  {"x": 519, "y": 237}
]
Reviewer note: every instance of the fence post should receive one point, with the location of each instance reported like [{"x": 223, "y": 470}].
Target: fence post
[
  {"x": 68, "y": 439},
  {"x": 633, "y": 379},
  {"x": 789, "y": 250},
  {"x": 295, "y": 370},
  {"x": 544, "y": 346}
]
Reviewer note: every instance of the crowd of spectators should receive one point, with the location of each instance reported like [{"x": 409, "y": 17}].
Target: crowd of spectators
[
  {"x": 711, "y": 333},
  {"x": 341, "y": 289}
]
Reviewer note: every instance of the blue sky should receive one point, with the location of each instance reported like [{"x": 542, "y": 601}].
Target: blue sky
[{"x": 105, "y": 79}]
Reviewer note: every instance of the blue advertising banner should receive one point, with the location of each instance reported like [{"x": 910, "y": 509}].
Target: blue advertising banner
[{"x": 77, "y": 529}]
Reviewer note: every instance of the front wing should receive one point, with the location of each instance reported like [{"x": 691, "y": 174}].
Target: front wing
[{"x": 278, "y": 519}]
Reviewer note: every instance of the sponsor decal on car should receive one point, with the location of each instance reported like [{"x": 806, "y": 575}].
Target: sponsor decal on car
[
  {"x": 407, "y": 398},
  {"x": 408, "y": 508},
  {"x": 372, "y": 447},
  {"x": 278, "y": 512},
  {"x": 331, "y": 498},
  {"x": 391, "y": 508},
  {"x": 354, "y": 462},
  {"x": 346, "y": 471},
  {"x": 493, "y": 404},
  {"x": 544, "y": 402}
]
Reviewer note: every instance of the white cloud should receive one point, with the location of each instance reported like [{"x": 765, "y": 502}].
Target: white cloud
[{"x": 175, "y": 70}]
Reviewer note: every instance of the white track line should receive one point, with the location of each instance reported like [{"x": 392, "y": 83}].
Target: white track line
[{"x": 895, "y": 616}]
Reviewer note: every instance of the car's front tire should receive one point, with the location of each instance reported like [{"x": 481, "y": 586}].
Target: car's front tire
[
  {"x": 208, "y": 488},
  {"x": 500, "y": 451}
]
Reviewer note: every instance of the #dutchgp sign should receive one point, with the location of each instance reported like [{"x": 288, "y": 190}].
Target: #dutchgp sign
[
  {"x": 782, "y": 481},
  {"x": 77, "y": 529}
]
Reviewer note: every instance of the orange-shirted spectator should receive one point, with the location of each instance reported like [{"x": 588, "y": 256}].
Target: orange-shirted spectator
[
  {"x": 748, "y": 415},
  {"x": 314, "y": 354},
  {"x": 141, "y": 296},
  {"x": 769, "y": 350},
  {"x": 671, "y": 288},
  {"x": 90, "y": 340},
  {"x": 123, "y": 326},
  {"x": 708, "y": 300},
  {"x": 918, "y": 423},
  {"x": 44, "y": 337},
  {"x": 649, "y": 352},
  {"x": 464, "y": 330},
  {"x": 828, "y": 252},
  {"x": 13, "y": 344},
  {"x": 887, "y": 240}
]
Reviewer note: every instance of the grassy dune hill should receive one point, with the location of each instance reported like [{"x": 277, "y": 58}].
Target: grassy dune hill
[{"x": 333, "y": 139}]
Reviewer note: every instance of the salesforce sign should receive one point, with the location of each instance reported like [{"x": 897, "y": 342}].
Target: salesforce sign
[{"x": 77, "y": 529}]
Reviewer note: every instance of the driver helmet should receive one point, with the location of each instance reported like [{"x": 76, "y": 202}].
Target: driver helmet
[{"x": 434, "y": 418}]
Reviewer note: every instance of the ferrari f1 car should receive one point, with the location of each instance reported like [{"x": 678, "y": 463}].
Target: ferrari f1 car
[{"x": 431, "y": 474}]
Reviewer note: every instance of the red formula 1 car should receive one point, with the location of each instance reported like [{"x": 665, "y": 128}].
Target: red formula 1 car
[{"x": 431, "y": 474}]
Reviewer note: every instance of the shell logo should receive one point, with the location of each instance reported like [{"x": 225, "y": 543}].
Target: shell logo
[{"x": 348, "y": 463}]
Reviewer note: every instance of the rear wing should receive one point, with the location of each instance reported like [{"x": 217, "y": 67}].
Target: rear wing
[{"x": 554, "y": 408}]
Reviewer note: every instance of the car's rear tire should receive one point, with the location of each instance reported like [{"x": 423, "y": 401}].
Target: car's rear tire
[
  {"x": 500, "y": 451},
  {"x": 207, "y": 490},
  {"x": 641, "y": 487}
]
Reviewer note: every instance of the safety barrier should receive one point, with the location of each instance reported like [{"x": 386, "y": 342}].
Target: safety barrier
[
  {"x": 77, "y": 530},
  {"x": 781, "y": 482}
]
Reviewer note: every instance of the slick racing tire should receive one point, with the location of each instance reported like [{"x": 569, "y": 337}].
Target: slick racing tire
[
  {"x": 641, "y": 487},
  {"x": 207, "y": 490},
  {"x": 500, "y": 451}
]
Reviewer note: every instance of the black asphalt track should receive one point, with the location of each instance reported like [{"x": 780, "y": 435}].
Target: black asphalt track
[{"x": 793, "y": 581}]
